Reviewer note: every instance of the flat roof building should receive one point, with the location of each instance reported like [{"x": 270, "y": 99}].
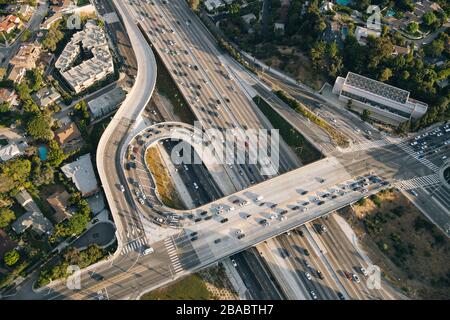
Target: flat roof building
[
  {"x": 387, "y": 104},
  {"x": 106, "y": 103},
  {"x": 91, "y": 39}
]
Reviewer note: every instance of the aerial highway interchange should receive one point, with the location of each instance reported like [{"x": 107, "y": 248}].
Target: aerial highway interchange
[{"x": 253, "y": 208}]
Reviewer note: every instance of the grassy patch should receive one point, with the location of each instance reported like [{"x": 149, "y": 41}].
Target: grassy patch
[
  {"x": 190, "y": 288},
  {"x": 337, "y": 137},
  {"x": 412, "y": 252},
  {"x": 302, "y": 148},
  {"x": 164, "y": 184}
]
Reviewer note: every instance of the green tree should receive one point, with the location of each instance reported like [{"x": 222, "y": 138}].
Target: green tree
[
  {"x": 386, "y": 74},
  {"x": 429, "y": 18},
  {"x": 53, "y": 36},
  {"x": 6, "y": 216},
  {"x": 366, "y": 115},
  {"x": 56, "y": 155},
  {"x": 4, "y": 107},
  {"x": 235, "y": 9},
  {"x": 11, "y": 257},
  {"x": 435, "y": 48},
  {"x": 413, "y": 27},
  {"x": 40, "y": 127},
  {"x": 26, "y": 34},
  {"x": 194, "y": 4}
]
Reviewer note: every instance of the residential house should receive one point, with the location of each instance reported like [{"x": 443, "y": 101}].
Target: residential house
[
  {"x": 12, "y": 150},
  {"x": 8, "y": 95},
  {"x": 27, "y": 56},
  {"x": 82, "y": 174},
  {"x": 26, "y": 10},
  {"x": 362, "y": 34},
  {"x": 68, "y": 137},
  {"x": 59, "y": 201},
  {"x": 34, "y": 220},
  {"x": 24, "y": 199},
  {"x": 398, "y": 50},
  {"x": 16, "y": 74},
  {"x": 9, "y": 23},
  {"x": 46, "y": 96}
]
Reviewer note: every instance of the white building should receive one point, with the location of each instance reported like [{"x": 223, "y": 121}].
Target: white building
[
  {"x": 84, "y": 75},
  {"x": 12, "y": 150},
  {"x": 212, "y": 5},
  {"x": 82, "y": 174},
  {"x": 362, "y": 34},
  {"x": 106, "y": 103},
  {"x": 386, "y": 103}
]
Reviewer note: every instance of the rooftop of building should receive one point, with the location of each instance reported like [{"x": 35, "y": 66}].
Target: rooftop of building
[{"x": 376, "y": 87}]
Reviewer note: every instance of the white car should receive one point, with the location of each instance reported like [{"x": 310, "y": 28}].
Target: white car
[
  {"x": 313, "y": 295},
  {"x": 234, "y": 263},
  {"x": 148, "y": 250},
  {"x": 238, "y": 232},
  {"x": 356, "y": 278},
  {"x": 195, "y": 185},
  {"x": 122, "y": 188},
  {"x": 141, "y": 201},
  {"x": 363, "y": 271},
  {"x": 308, "y": 275}
]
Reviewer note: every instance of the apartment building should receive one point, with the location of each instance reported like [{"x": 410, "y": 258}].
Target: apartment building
[{"x": 91, "y": 39}]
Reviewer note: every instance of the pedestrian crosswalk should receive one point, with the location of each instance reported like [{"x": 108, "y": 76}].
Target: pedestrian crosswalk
[
  {"x": 134, "y": 245},
  {"x": 405, "y": 147},
  {"x": 418, "y": 182},
  {"x": 172, "y": 251},
  {"x": 370, "y": 145}
]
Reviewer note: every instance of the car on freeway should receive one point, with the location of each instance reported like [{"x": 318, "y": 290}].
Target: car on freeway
[
  {"x": 356, "y": 278},
  {"x": 341, "y": 296},
  {"x": 122, "y": 188},
  {"x": 148, "y": 250},
  {"x": 195, "y": 185},
  {"x": 308, "y": 275},
  {"x": 300, "y": 233},
  {"x": 313, "y": 295},
  {"x": 363, "y": 271},
  {"x": 96, "y": 276},
  {"x": 320, "y": 274},
  {"x": 306, "y": 252},
  {"x": 234, "y": 263}
]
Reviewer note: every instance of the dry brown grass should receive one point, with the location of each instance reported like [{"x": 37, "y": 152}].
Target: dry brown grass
[
  {"x": 164, "y": 184},
  {"x": 413, "y": 253}
]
